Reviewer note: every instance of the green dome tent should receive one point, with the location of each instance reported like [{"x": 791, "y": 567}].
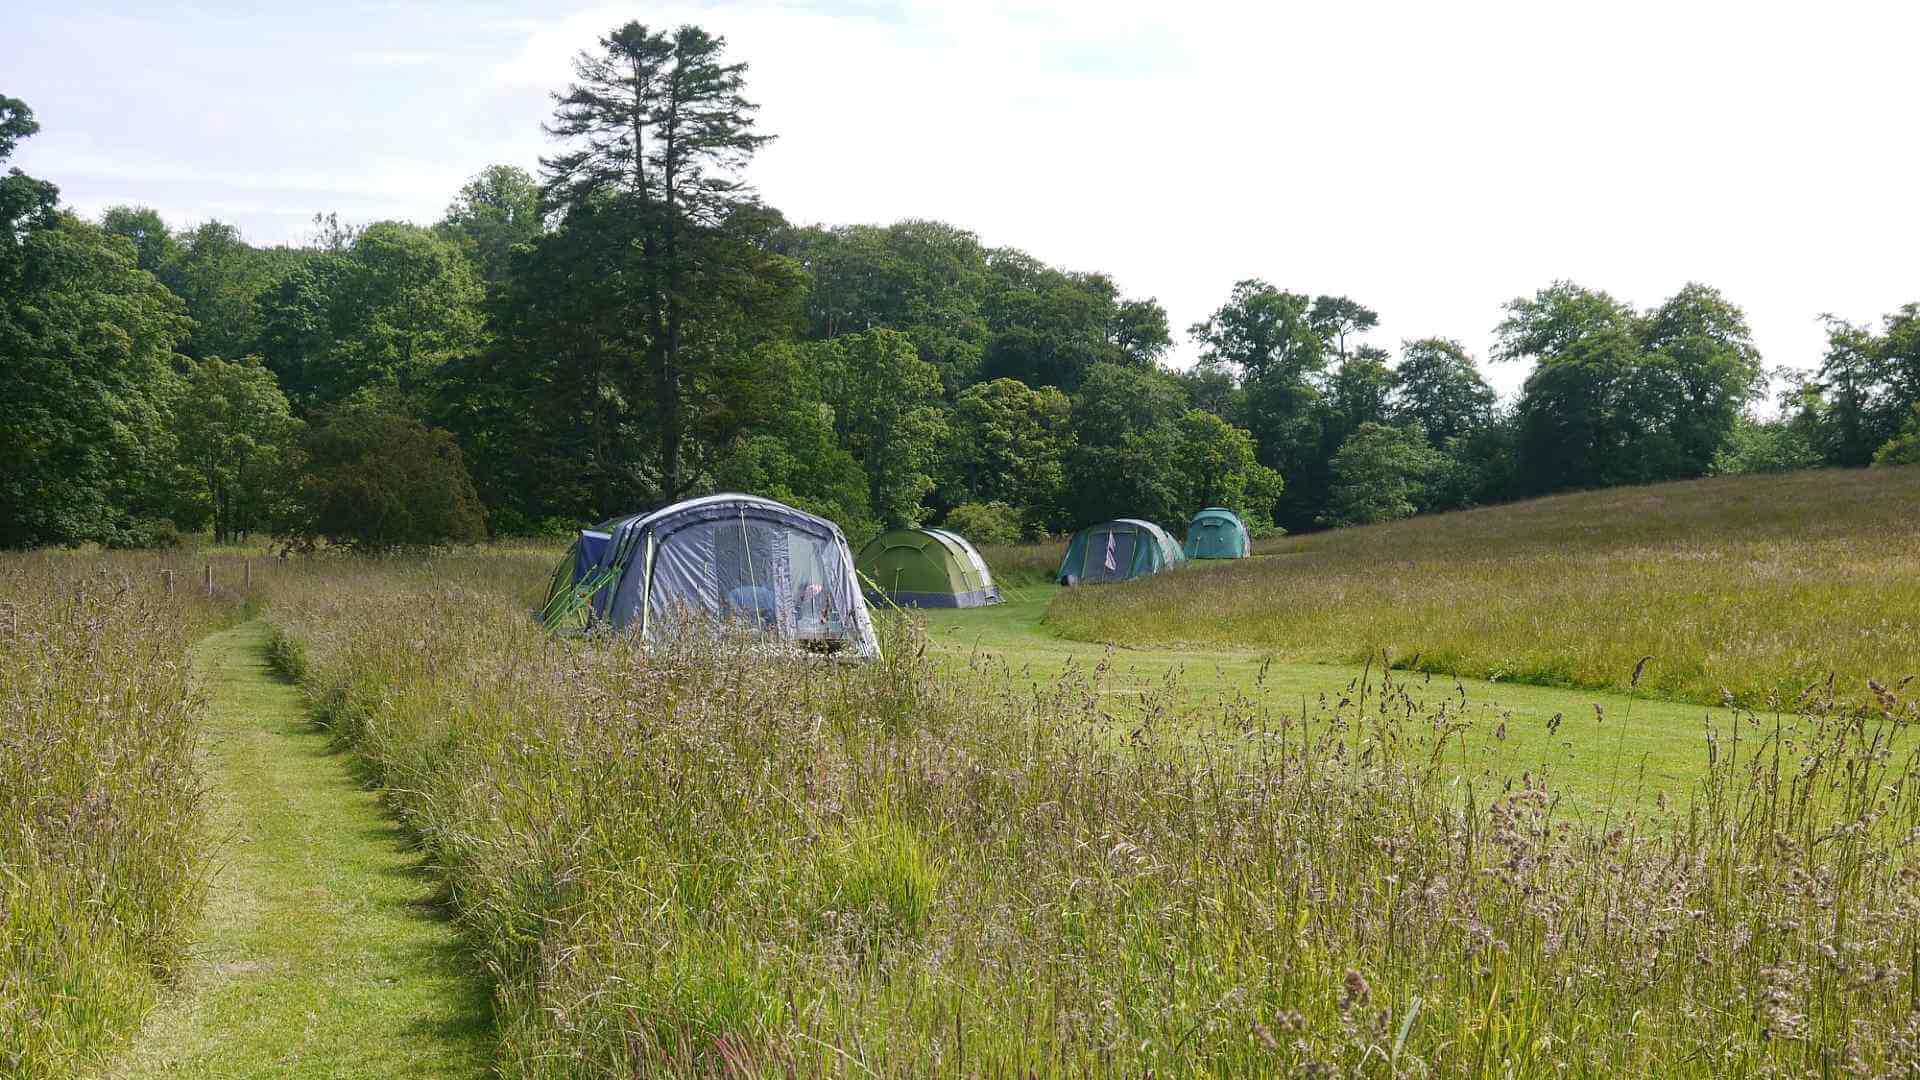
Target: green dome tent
[
  {"x": 1218, "y": 533},
  {"x": 925, "y": 568},
  {"x": 1118, "y": 551}
]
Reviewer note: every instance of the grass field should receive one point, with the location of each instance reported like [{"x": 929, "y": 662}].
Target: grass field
[
  {"x": 1600, "y": 750},
  {"x": 102, "y": 845},
  {"x": 1756, "y": 586},
  {"x": 704, "y": 861},
  {"x": 998, "y": 851}
]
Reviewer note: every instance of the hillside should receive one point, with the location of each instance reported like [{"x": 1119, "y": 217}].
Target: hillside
[{"x": 1757, "y": 585}]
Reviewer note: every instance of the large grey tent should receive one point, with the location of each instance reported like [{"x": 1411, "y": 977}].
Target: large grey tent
[{"x": 722, "y": 559}]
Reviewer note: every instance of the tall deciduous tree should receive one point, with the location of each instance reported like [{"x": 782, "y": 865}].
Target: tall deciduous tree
[
  {"x": 87, "y": 377},
  {"x": 234, "y": 427},
  {"x": 221, "y": 276},
  {"x": 153, "y": 243},
  {"x": 493, "y": 213},
  {"x": 658, "y": 124},
  {"x": 1618, "y": 397},
  {"x": 26, "y": 203},
  {"x": 1437, "y": 386},
  {"x": 389, "y": 311},
  {"x": 1338, "y": 318},
  {"x": 887, "y": 404},
  {"x": 1010, "y": 447},
  {"x": 1125, "y": 457},
  {"x": 1866, "y": 386},
  {"x": 1272, "y": 341},
  {"x": 86, "y": 369},
  {"x": 1380, "y": 473},
  {"x": 1218, "y": 465},
  {"x": 925, "y": 279},
  {"x": 794, "y": 454}
]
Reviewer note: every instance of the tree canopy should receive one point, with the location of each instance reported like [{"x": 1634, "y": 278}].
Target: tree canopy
[{"x": 631, "y": 325}]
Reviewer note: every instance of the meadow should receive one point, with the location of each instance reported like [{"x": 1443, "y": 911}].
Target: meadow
[
  {"x": 1001, "y": 852},
  {"x": 709, "y": 862},
  {"x": 102, "y": 863},
  {"x": 1749, "y": 587}
]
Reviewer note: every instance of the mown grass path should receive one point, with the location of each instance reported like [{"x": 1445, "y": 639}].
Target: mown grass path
[
  {"x": 323, "y": 951},
  {"x": 1625, "y": 753}
]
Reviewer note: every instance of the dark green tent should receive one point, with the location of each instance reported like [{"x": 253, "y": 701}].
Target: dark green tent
[
  {"x": 1218, "y": 533},
  {"x": 1117, "y": 551},
  {"x": 925, "y": 568}
]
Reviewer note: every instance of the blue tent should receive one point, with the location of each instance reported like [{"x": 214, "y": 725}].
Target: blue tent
[
  {"x": 720, "y": 559},
  {"x": 1118, "y": 550}
]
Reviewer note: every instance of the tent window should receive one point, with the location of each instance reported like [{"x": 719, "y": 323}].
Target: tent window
[{"x": 814, "y": 610}]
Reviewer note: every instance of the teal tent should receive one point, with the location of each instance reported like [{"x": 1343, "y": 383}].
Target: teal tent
[
  {"x": 1218, "y": 533},
  {"x": 1118, "y": 551}
]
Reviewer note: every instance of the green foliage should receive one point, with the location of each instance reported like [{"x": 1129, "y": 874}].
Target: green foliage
[
  {"x": 221, "y": 277},
  {"x": 985, "y": 523},
  {"x": 1764, "y": 446},
  {"x": 1216, "y": 460},
  {"x": 86, "y": 371},
  {"x": 1620, "y": 397},
  {"x": 1273, "y": 343},
  {"x": 657, "y": 129},
  {"x": 494, "y": 213},
  {"x": 1336, "y": 318},
  {"x": 1437, "y": 386},
  {"x": 26, "y": 204},
  {"x": 1864, "y": 389},
  {"x": 1049, "y": 328},
  {"x": 619, "y": 333},
  {"x": 1380, "y": 474},
  {"x": 387, "y": 312},
  {"x": 886, "y": 403},
  {"x": 234, "y": 428},
  {"x": 375, "y": 479},
  {"x": 1262, "y": 331},
  {"x": 1125, "y": 455},
  {"x": 153, "y": 243},
  {"x": 1009, "y": 446},
  {"x": 925, "y": 279},
  {"x": 1904, "y": 448}
]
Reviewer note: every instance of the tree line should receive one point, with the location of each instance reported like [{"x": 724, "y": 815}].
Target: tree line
[{"x": 633, "y": 325}]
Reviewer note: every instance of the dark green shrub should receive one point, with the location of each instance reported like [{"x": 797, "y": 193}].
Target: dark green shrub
[{"x": 375, "y": 479}]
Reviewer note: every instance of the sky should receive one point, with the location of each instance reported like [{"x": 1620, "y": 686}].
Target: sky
[{"x": 1430, "y": 160}]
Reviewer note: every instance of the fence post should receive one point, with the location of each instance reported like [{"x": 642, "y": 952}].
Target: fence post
[
  {"x": 209, "y": 579},
  {"x": 246, "y": 567},
  {"x": 166, "y": 578}
]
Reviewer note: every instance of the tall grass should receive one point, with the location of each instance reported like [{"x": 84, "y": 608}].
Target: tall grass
[
  {"x": 1754, "y": 585},
  {"x": 102, "y": 857},
  {"x": 1018, "y": 566},
  {"x": 703, "y": 861}
]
